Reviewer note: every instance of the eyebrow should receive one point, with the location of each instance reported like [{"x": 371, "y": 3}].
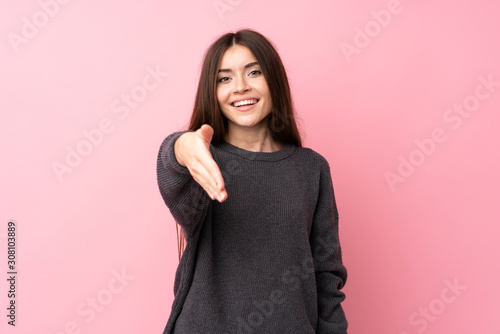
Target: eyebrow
[{"x": 246, "y": 66}]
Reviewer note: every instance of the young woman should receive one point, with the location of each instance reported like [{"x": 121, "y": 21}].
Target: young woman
[{"x": 256, "y": 209}]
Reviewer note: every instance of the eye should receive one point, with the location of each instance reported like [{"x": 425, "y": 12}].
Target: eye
[
  {"x": 223, "y": 79},
  {"x": 255, "y": 72}
]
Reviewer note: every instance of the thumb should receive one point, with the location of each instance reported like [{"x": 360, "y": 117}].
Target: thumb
[{"x": 206, "y": 132}]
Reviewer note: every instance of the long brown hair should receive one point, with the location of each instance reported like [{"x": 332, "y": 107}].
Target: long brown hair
[{"x": 282, "y": 125}]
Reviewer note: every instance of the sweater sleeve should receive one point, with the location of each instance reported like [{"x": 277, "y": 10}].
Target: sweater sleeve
[
  {"x": 330, "y": 272},
  {"x": 186, "y": 199}
]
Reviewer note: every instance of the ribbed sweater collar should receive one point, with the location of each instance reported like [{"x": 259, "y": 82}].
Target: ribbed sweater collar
[{"x": 283, "y": 153}]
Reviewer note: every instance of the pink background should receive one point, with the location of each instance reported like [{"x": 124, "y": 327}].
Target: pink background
[{"x": 381, "y": 107}]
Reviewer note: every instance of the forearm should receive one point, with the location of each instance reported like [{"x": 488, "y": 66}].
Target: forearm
[
  {"x": 183, "y": 196},
  {"x": 331, "y": 274}
]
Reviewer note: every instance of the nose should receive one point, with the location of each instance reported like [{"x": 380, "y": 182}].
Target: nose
[{"x": 241, "y": 84}]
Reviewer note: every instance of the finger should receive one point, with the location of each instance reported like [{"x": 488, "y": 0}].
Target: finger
[
  {"x": 223, "y": 196},
  {"x": 203, "y": 175},
  {"x": 215, "y": 173},
  {"x": 214, "y": 191},
  {"x": 214, "y": 180},
  {"x": 204, "y": 183},
  {"x": 206, "y": 132}
]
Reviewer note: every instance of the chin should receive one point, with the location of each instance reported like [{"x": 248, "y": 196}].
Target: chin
[{"x": 249, "y": 122}]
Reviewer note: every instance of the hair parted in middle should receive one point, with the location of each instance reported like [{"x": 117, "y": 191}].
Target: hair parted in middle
[{"x": 282, "y": 125}]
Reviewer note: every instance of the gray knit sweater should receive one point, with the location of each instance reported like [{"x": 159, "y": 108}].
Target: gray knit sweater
[{"x": 267, "y": 259}]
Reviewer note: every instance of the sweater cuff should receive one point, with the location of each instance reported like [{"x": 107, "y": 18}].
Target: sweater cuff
[{"x": 169, "y": 151}]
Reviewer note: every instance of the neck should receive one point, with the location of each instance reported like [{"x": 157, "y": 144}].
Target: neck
[{"x": 250, "y": 139}]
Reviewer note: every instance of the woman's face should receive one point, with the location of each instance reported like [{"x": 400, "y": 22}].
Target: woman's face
[{"x": 242, "y": 90}]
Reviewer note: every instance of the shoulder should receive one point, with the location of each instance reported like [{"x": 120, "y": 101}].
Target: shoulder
[{"x": 312, "y": 156}]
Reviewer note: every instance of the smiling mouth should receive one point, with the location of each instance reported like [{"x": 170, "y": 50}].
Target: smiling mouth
[{"x": 241, "y": 103}]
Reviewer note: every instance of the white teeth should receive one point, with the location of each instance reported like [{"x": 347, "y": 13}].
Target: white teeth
[{"x": 244, "y": 102}]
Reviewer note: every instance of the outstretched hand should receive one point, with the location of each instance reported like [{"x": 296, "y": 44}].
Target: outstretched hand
[{"x": 192, "y": 150}]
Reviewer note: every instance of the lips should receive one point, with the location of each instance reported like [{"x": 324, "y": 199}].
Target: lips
[{"x": 244, "y": 102}]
